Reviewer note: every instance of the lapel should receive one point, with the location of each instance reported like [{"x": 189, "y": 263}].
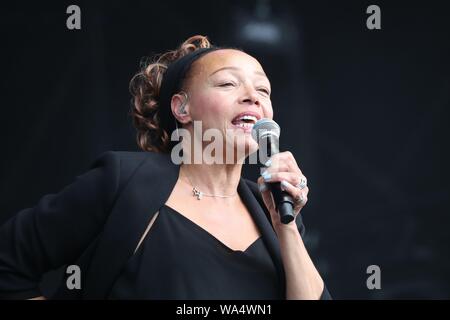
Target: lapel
[
  {"x": 253, "y": 201},
  {"x": 147, "y": 190}
]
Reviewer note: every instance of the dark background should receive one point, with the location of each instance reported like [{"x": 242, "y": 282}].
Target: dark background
[{"x": 365, "y": 113}]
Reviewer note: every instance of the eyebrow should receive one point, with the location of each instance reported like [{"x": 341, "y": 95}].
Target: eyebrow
[{"x": 237, "y": 69}]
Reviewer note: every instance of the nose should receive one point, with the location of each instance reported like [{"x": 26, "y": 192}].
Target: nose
[{"x": 250, "y": 96}]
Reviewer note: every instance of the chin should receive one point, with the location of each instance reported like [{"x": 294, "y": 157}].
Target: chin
[
  {"x": 246, "y": 148},
  {"x": 242, "y": 142}
]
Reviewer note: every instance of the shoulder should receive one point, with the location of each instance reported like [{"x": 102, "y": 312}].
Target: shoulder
[
  {"x": 121, "y": 165},
  {"x": 129, "y": 160}
]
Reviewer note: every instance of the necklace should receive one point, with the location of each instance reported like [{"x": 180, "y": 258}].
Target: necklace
[{"x": 199, "y": 194}]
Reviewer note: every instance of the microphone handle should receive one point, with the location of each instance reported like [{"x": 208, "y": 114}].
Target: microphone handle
[{"x": 284, "y": 202}]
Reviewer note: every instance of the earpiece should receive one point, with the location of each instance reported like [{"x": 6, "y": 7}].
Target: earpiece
[{"x": 182, "y": 110}]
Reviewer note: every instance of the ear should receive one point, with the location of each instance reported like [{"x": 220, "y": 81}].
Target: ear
[{"x": 180, "y": 101}]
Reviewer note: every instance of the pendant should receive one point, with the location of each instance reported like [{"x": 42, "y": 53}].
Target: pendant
[{"x": 197, "y": 193}]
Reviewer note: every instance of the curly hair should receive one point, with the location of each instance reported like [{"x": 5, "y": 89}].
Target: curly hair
[{"x": 145, "y": 90}]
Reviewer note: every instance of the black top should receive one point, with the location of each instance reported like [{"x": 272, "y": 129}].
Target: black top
[
  {"x": 178, "y": 259},
  {"x": 95, "y": 223}
]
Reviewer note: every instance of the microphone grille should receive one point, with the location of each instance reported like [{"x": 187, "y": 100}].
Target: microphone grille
[{"x": 264, "y": 127}]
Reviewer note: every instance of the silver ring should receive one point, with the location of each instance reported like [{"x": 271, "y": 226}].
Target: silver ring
[
  {"x": 302, "y": 184},
  {"x": 299, "y": 199}
]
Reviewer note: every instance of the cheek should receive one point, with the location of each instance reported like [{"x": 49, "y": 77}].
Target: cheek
[
  {"x": 268, "y": 111},
  {"x": 211, "y": 108}
]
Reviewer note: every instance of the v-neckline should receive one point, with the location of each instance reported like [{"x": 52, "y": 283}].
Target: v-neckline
[{"x": 211, "y": 236}]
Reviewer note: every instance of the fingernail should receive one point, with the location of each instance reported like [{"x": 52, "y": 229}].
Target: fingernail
[
  {"x": 262, "y": 187},
  {"x": 268, "y": 163},
  {"x": 266, "y": 176},
  {"x": 284, "y": 185}
]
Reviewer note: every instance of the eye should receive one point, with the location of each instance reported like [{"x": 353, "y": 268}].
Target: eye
[
  {"x": 226, "y": 84},
  {"x": 266, "y": 91}
]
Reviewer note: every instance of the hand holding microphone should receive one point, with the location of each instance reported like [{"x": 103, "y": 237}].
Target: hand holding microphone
[{"x": 282, "y": 177}]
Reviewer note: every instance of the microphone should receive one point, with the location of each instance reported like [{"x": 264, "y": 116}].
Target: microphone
[{"x": 266, "y": 133}]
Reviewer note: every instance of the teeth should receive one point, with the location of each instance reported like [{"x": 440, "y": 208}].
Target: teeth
[
  {"x": 244, "y": 125},
  {"x": 248, "y": 117}
]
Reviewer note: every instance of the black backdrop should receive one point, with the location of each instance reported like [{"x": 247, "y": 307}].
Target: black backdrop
[{"x": 365, "y": 112}]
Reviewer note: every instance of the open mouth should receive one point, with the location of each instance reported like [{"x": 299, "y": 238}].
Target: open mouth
[{"x": 244, "y": 121}]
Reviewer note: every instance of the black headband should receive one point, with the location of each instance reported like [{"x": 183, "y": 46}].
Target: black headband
[{"x": 171, "y": 84}]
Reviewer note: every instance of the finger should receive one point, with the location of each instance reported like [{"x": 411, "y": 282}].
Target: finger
[
  {"x": 278, "y": 166},
  {"x": 285, "y": 161},
  {"x": 293, "y": 190},
  {"x": 292, "y": 178},
  {"x": 266, "y": 194},
  {"x": 300, "y": 196},
  {"x": 261, "y": 184}
]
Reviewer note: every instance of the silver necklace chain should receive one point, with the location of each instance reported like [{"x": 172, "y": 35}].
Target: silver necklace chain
[{"x": 199, "y": 194}]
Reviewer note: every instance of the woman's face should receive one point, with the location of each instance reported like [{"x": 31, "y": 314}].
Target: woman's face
[{"x": 228, "y": 90}]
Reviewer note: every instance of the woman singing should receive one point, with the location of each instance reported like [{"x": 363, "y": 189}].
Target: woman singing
[{"x": 140, "y": 225}]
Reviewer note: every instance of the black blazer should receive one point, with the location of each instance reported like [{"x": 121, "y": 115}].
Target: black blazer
[{"x": 96, "y": 223}]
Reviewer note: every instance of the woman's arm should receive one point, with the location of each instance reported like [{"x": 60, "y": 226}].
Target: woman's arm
[
  {"x": 57, "y": 230},
  {"x": 303, "y": 281}
]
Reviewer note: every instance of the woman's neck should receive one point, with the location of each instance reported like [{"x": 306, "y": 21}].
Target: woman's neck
[{"x": 217, "y": 179}]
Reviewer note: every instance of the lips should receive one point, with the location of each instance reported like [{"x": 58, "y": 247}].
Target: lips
[{"x": 245, "y": 120}]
